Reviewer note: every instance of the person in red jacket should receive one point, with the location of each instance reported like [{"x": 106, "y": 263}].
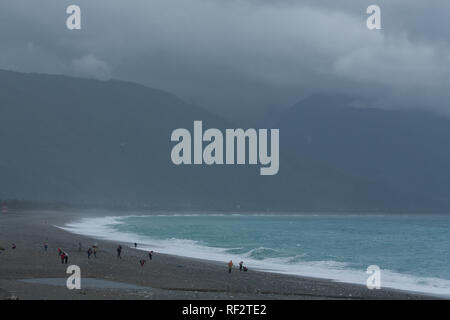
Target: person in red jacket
[{"x": 64, "y": 257}]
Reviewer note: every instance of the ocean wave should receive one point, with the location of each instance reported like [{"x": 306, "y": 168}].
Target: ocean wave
[
  {"x": 260, "y": 258},
  {"x": 262, "y": 253}
]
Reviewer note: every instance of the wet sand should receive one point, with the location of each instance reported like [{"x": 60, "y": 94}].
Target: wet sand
[{"x": 164, "y": 277}]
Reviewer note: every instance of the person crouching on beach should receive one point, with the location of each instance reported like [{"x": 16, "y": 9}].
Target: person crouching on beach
[
  {"x": 230, "y": 266},
  {"x": 119, "y": 252}
]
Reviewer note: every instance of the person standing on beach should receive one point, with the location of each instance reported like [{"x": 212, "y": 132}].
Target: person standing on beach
[
  {"x": 150, "y": 255},
  {"x": 45, "y": 246},
  {"x": 135, "y": 245},
  {"x": 142, "y": 262},
  {"x": 230, "y": 266},
  {"x": 119, "y": 251},
  {"x": 89, "y": 252},
  {"x": 95, "y": 251},
  {"x": 63, "y": 257},
  {"x": 240, "y": 265}
]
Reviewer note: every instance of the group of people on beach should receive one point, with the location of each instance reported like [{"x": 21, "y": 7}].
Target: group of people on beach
[
  {"x": 141, "y": 262},
  {"x": 64, "y": 256},
  {"x": 150, "y": 257},
  {"x": 241, "y": 266},
  {"x": 92, "y": 251}
]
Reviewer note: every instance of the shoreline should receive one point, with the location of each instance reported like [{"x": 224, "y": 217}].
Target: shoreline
[
  {"x": 105, "y": 230},
  {"x": 165, "y": 277}
]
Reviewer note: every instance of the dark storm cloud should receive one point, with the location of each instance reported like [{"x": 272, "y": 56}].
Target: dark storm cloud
[{"x": 241, "y": 56}]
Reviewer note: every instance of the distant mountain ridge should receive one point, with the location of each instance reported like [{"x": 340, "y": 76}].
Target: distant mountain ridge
[
  {"x": 108, "y": 143},
  {"x": 405, "y": 150}
]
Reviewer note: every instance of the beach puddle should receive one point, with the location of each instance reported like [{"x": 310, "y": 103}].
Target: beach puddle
[{"x": 86, "y": 283}]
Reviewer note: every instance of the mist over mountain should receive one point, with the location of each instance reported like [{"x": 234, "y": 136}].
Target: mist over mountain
[
  {"x": 405, "y": 149},
  {"x": 108, "y": 143}
]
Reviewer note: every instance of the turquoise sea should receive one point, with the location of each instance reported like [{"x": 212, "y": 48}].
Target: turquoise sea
[{"x": 412, "y": 251}]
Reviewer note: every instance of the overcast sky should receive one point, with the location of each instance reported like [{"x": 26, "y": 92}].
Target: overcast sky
[{"x": 241, "y": 56}]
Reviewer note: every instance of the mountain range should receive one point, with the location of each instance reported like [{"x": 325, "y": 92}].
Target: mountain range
[{"x": 107, "y": 143}]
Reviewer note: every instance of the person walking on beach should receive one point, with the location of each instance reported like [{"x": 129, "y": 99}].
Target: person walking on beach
[
  {"x": 150, "y": 255},
  {"x": 135, "y": 245},
  {"x": 89, "y": 252},
  {"x": 119, "y": 251},
  {"x": 230, "y": 266},
  {"x": 45, "y": 246},
  {"x": 241, "y": 265},
  {"x": 63, "y": 257},
  {"x": 59, "y": 252}
]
